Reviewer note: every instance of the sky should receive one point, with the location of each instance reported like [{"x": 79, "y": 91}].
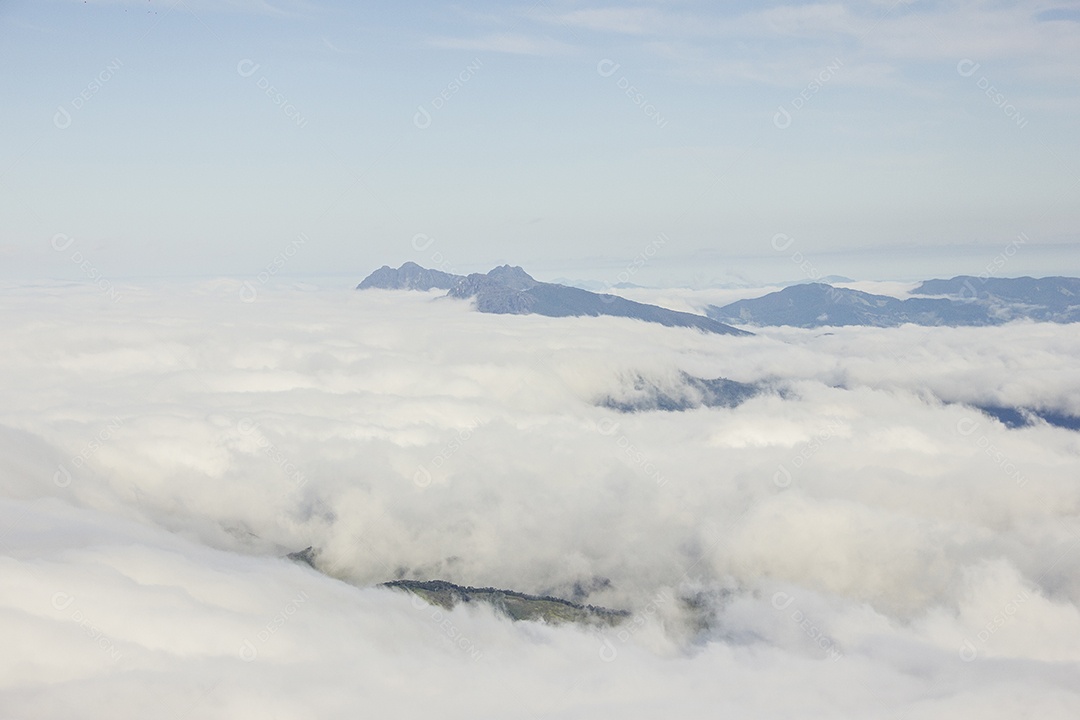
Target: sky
[
  {"x": 192, "y": 388},
  {"x": 889, "y": 140},
  {"x": 862, "y": 545}
]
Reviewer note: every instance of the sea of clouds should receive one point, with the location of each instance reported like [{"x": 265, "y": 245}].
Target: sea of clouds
[{"x": 857, "y": 543}]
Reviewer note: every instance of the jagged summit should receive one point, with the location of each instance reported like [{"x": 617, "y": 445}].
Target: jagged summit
[
  {"x": 1051, "y": 299},
  {"x": 818, "y": 304},
  {"x": 960, "y": 301},
  {"x": 409, "y": 276},
  {"x": 515, "y": 605},
  {"x": 499, "y": 291},
  {"x": 508, "y": 289},
  {"x": 512, "y": 276}
]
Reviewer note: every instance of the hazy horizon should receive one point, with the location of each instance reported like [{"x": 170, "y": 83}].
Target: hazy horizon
[
  {"x": 713, "y": 496},
  {"x": 200, "y": 138}
]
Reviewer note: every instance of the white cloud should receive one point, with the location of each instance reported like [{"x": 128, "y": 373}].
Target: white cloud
[
  {"x": 630, "y": 21},
  {"x": 511, "y": 43},
  {"x": 880, "y": 43},
  {"x": 845, "y": 544}
]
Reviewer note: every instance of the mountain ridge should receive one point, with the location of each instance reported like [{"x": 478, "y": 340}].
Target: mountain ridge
[
  {"x": 509, "y": 290},
  {"x": 960, "y": 301}
]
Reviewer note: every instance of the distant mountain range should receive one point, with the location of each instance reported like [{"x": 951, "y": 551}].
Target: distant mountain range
[
  {"x": 690, "y": 392},
  {"x": 1021, "y": 417},
  {"x": 515, "y": 605},
  {"x": 511, "y": 290},
  {"x": 959, "y": 301},
  {"x": 963, "y": 300},
  {"x": 1050, "y": 299},
  {"x": 409, "y": 276}
]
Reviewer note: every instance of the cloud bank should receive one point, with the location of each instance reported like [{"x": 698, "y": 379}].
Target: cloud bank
[{"x": 856, "y": 548}]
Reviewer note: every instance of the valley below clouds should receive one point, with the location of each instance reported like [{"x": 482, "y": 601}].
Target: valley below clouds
[{"x": 857, "y": 535}]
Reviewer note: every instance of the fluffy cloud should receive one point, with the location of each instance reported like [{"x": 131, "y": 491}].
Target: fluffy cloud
[{"x": 856, "y": 542}]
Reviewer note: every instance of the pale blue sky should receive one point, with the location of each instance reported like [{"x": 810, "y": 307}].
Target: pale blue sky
[{"x": 204, "y": 138}]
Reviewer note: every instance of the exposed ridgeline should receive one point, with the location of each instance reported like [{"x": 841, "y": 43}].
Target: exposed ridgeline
[
  {"x": 515, "y": 605},
  {"x": 687, "y": 393},
  {"x": 1052, "y": 299},
  {"x": 409, "y": 276},
  {"x": 817, "y": 305},
  {"x": 961, "y": 301},
  {"x": 511, "y": 290}
]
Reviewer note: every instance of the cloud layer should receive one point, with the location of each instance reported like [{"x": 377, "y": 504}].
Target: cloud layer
[{"x": 855, "y": 548}]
